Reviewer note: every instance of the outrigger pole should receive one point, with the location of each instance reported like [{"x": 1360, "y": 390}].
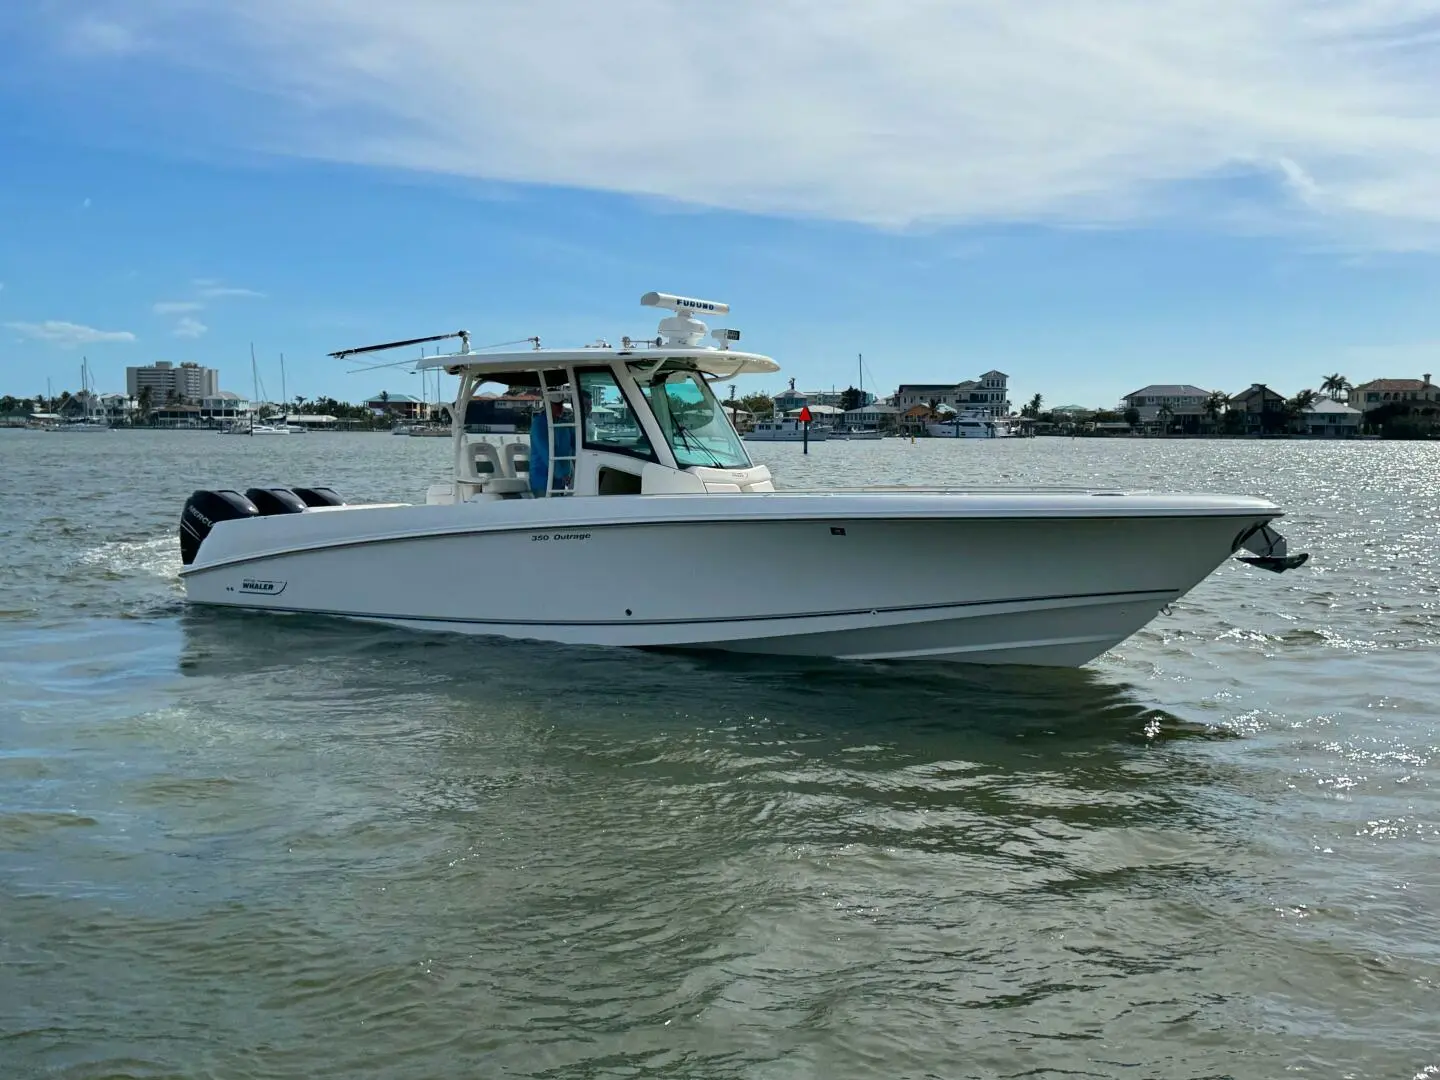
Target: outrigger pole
[{"x": 463, "y": 335}]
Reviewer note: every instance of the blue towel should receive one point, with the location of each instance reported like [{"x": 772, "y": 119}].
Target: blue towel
[{"x": 540, "y": 453}]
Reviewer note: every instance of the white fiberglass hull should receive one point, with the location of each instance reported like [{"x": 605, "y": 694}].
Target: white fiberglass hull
[
  {"x": 1025, "y": 578},
  {"x": 786, "y": 436},
  {"x": 971, "y": 431}
]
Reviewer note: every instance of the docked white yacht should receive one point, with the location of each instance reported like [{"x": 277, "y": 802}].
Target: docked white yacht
[
  {"x": 646, "y": 496},
  {"x": 785, "y": 429},
  {"x": 971, "y": 424}
]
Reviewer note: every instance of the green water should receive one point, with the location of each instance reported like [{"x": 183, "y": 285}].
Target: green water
[{"x": 247, "y": 846}]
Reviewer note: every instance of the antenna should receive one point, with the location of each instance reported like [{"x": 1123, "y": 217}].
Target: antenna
[
  {"x": 682, "y": 304},
  {"x": 682, "y": 329},
  {"x": 463, "y": 335}
]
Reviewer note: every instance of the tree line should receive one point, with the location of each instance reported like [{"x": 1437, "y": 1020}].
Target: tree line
[{"x": 1393, "y": 419}]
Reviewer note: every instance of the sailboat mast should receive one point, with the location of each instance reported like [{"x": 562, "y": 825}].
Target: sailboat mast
[{"x": 254, "y": 389}]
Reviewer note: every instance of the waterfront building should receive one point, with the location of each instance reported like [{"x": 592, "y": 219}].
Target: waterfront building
[
  {"x": 1328, "y": 419},
  {"x": 1380, "y": 392},
  {"x": 909, "y": 395},
  {"x": 789, "y": 400},
  {"x": 1185, "y": 402},
  {"x": 401, "y": 406},
  {"x": 882, "y": 417},
  {"x": 1263, "y": 409},
  {"x": 989, "y": 394},
  {"x": 167, "y": 381},
  {"x": 224, "y": 405}
]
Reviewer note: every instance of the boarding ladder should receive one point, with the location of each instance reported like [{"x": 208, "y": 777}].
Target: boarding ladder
[{"x": 552, "y": 396}]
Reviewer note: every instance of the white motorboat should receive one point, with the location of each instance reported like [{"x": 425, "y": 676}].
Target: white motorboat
[
  {"x": 263, "y": 428},
  {"x": 785, "y": 429},
  {"x": 971, "y": 424},
  {"x": 649, "y": 526},
  {"x": 79, "y": 427}
]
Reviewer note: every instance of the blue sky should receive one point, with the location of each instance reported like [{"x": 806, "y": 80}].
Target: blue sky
[{"x": 1087, "y": 195}]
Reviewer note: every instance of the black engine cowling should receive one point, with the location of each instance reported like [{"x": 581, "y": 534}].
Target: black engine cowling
[
  {"x": 320, "y": 496},
  {"x": 275, "y": 500},
  {"x": 202, "y": 511}
]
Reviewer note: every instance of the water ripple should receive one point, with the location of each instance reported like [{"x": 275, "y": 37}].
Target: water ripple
[{"x": 238, "y": 846}]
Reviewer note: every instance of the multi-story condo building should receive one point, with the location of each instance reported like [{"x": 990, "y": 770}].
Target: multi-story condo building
[{"x": 186, "y": 382}]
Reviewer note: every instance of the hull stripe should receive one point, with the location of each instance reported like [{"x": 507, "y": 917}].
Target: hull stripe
[{"x": 1160, "y": 596}]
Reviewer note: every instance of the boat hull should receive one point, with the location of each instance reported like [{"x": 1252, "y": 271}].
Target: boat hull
[
  {"x": 801, "y": 575},
  {"x": 962, "y": 431}
]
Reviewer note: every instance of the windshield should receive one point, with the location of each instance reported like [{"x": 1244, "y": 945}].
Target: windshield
[{"x": 693, "y": 421}]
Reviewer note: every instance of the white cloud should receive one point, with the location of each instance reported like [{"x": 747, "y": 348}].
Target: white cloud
[
  {"x": 175, "y": 307},
  {"x": 189, "y": 327},
  {"x": 216, "y": 291},
  {"x": 213, "y": 288},
  {"x": 1253, "y": 113},
  {"x": 94, "y": 36},
  {"x": 67, "y": 333}
]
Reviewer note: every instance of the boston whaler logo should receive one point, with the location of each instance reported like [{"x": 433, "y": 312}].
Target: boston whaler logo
[{"x": 266, "y": 588}]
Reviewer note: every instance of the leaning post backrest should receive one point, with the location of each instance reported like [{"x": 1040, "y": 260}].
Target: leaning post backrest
[
  {"x": 517, "y": 459},
  {"x": 483, "y": 462}
]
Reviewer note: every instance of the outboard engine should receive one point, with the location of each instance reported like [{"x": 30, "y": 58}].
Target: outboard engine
[
  {"x": 320, "y": 496},
  {"x": 276, "y": 500},
  {"x": 202, "y": 511}
]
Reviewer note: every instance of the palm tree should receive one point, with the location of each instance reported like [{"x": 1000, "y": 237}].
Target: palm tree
[
  {"x": 1166, "y": 415},
  {"x": 1295, "y": 408},
  {"x": 1033, "y": 409},
  {"x": 1215, "y": 404},
  {"x": 145, "y": 402},
  {"x": 1335, "y": 385}
]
